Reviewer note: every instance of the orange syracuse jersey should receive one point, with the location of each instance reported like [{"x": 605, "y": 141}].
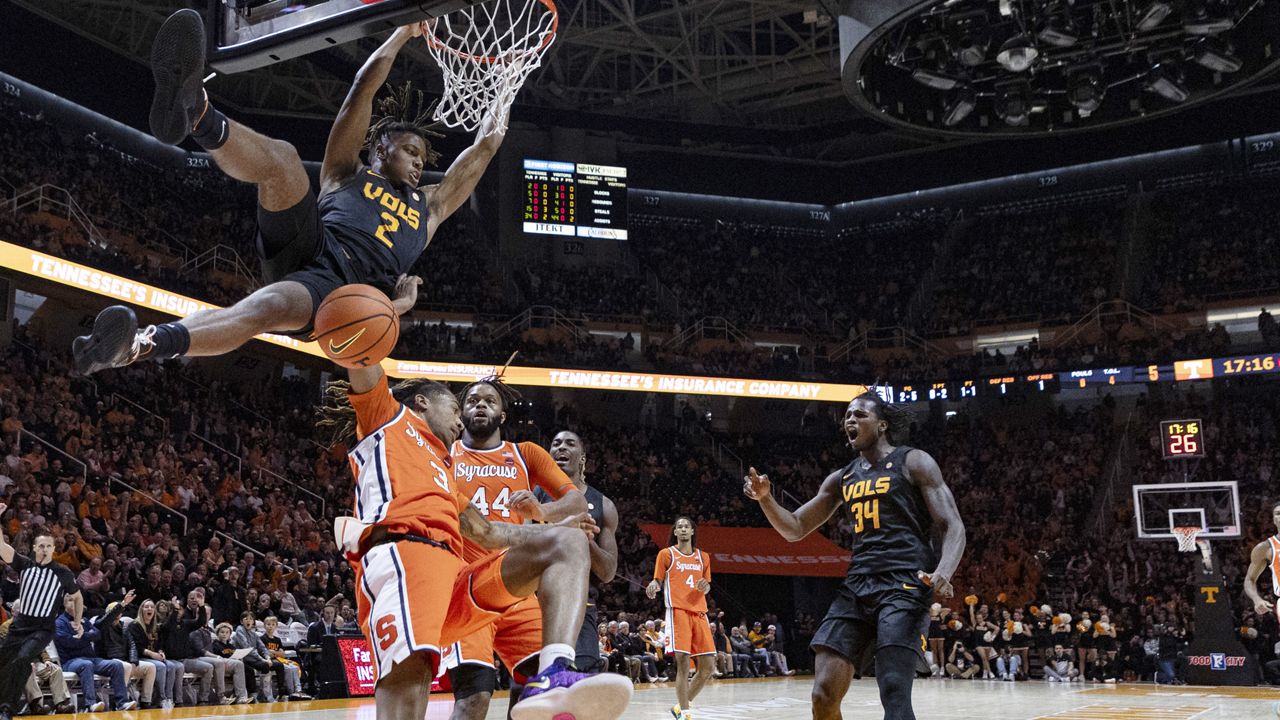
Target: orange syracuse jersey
[
  {"x": 488, "y": 478},
  {"x": 404, "y": 481},
  {"x": 679, "y": 575}
]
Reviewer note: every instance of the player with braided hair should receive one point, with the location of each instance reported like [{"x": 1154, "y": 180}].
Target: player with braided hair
[
  {"x": 498, "y": 477},
  {"x": 369, "y": 224}
]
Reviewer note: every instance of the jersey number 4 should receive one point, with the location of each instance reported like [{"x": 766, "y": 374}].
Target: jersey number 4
[{"x": 481, "y": 501}]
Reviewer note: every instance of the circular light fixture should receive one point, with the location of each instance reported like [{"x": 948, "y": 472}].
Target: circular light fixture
[{"x": 1017, "y": 53}]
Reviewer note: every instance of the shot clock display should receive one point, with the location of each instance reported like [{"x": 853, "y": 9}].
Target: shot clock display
[
  {"x": 575, "y": 199},
  {"x": 1181, "y": 439}
]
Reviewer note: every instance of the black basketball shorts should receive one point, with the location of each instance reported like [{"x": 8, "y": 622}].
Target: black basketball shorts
[
  {"x": 889, "y": 609},
  {"x": 295, "y": 246}
]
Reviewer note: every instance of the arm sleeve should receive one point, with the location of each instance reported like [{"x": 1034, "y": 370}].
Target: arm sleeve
[
  {"x": 374, "y": 408},
  {"x": 68, "y": 581},
  {"x": 544, "y": 472},
  {"x": 662, "y": 565},
  {"x": 706, "y": 565}
]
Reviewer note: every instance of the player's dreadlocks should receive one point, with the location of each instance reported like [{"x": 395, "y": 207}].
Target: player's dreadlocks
[
  {"x": 401, "y": 111},
  {"x": 896, "y": 417},
  {"x": 337, "y": 419},
  {"x": 507, "y": 394}
]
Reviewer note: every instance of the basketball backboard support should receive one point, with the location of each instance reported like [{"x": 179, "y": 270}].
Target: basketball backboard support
[
  {"x": 1214, "y": 507},
  {"x": 248, "y": 34}
]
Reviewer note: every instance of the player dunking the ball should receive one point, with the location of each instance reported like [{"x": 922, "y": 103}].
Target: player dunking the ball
[
  {"x": 498, "y": 477},
  {"x": 1265, "y": 555},
  {"x": 370, "y": 224},
  {"x": 570, "y": 453},
  {"x": 894, "y": 497},
  {"x": 683, "y": 574},
  {"x": 416, "y": 592}
]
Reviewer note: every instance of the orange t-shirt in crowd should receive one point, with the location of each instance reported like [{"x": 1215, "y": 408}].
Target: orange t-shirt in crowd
[
  {"x": 404, "y": 476},
  {"x": 679, "y": 575},
  {"x": 488, "y": 478}
]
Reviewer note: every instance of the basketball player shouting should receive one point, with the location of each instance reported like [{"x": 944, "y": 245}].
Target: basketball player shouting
[
  {"x": 417, "y": 593},
  {"x": 499, "y": 477},
  {"x": 369, "y": 226},
  {"x": 569, "y": 452},
  {"x": 1266, "y": 554},
  {"x": 683, "y": 574},
  {"x": 894, "y": 496}
]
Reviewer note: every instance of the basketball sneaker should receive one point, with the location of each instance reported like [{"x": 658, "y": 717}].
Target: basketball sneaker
[
  {"x": 115, "y": 341},
  {"x": 561, "y": 693},
  {"x": 680, "y": 714},
  {"x": 177, "y": 64}
]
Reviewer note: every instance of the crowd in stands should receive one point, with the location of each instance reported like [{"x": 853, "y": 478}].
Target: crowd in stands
[
  {"x": 929, "y": 272},
  {"x": 191, "y": 507},
  {"x": 1211, "y": 242},
  {"x": 1043, "y": 265}
]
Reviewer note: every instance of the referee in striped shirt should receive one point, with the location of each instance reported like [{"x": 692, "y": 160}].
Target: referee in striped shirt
[{"x": 43, "y": 586}]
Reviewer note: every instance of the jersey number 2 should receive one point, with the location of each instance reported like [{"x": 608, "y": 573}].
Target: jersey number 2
[{"x": 391, "y": 224}]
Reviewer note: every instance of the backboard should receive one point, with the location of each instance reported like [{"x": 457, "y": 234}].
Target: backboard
[
  {"x": 1214, "y": 507},
  {"x": 248, "y": 34}
]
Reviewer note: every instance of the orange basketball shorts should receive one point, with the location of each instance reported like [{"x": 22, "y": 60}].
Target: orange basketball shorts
[
  {"x": 414, "y": 597},
  {"x": 515, "y": 637},
  {"x": 689, "y": 632}
]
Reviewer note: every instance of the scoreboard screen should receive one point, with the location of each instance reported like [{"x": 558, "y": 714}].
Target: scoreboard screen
[
  {"x": 1181, "y": 439},
  {"x": 575, "y": 199}
]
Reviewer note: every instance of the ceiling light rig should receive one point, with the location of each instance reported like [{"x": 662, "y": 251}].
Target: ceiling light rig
[{"x": 1026, "y": 67}]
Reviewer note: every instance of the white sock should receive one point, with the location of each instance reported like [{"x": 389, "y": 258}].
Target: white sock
[{"x": 553, "y": 652}]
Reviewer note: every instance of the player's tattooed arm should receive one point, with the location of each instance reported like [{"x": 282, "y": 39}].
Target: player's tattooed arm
[
  {"x": 794, "y": 526},
  {"x": 923, "y": 470},
  {"x": 477, "y": 528}
]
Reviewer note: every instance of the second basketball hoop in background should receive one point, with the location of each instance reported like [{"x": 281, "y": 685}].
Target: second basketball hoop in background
[{"x": 485, "y": 53}]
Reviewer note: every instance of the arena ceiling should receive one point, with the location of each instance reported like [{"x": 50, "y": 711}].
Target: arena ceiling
[
  {"x": 733, "y": 72},
  {"x": 748, "y": 79}
]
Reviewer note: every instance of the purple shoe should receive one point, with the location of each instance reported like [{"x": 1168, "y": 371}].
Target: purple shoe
[{"x": 561, "y": 693}]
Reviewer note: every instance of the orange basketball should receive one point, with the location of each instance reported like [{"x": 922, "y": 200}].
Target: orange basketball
[{"x": 357, "y": 326}]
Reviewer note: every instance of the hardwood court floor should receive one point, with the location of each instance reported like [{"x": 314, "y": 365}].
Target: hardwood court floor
[{"x": 788, "y": 699}]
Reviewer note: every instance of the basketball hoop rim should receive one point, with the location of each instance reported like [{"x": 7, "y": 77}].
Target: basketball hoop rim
[
  {"x": 429, "y": 36},
  {"x": 1186, "y": 536}
]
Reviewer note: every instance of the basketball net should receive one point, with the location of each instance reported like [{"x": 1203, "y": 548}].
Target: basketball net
[
  {"x": 1188, "y": 542},
  {"x": 485, "y": 53}
]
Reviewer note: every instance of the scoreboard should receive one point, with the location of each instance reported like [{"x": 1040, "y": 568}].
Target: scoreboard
[
  {"x": 1181, "y": 439},
  {"x": 575, "y": 199}
]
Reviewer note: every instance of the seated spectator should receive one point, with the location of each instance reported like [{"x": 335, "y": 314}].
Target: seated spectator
[
  {"x": 777, "y": 658},
  {"x": 743, "y": 652},
  {"x": 145, "y": 637},
  {"x": 176, "y": 628},
  {"x": 259, "y": 658},
  {"x": 77, "y": 653},
  {"x": 224, "y": 665},
  {"x": 116, "y": 644},
  {"x": 1061, "y": 667},
  {"x": 292, "y": 671},
  {"x": 961, "y": 664},
  {"x": 1008, "y": 664}
]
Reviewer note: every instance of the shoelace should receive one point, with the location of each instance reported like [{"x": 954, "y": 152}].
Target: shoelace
[{"x": 142, "y": 341}]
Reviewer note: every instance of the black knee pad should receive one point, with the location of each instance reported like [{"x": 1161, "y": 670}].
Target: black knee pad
[{"x": 468, "y": 680}]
